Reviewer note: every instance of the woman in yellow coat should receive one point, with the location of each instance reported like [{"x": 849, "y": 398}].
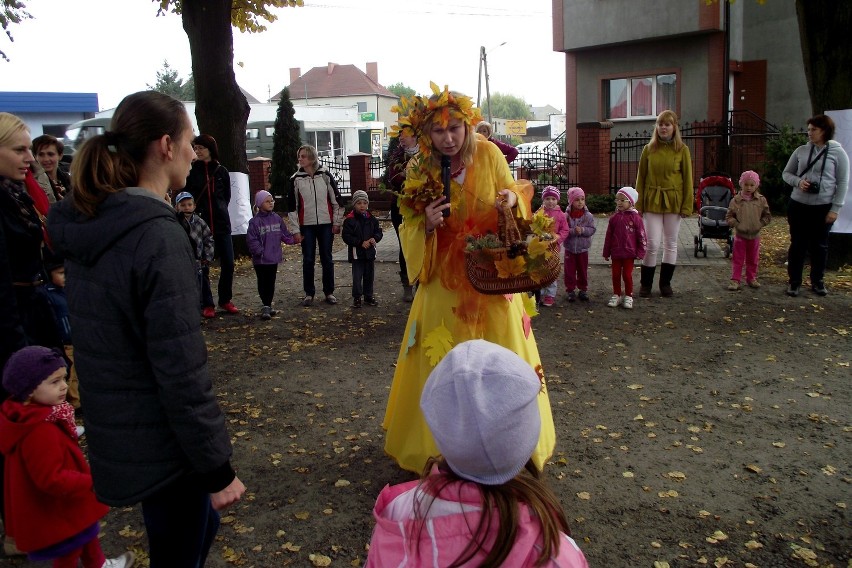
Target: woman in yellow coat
[
  {"x": 664, "y": 184},
  {"x": 446, "y": 309}
]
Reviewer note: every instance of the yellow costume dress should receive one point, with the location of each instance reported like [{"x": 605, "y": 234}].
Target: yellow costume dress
[{"x": 447, "y": 310}]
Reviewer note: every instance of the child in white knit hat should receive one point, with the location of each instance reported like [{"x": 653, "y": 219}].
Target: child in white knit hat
[
  {"x": 361, "y": 231},
  {"x": 625, "y": 242},
  {"x": 481, "y": 404}
]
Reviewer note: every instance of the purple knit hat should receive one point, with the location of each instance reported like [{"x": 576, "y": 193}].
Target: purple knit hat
[
  {"x": 260, "y": 197},
  {"x": 575, "y": 193},
  {"x": 551, "y": 191},
  {"x": 27, "y": 368}
]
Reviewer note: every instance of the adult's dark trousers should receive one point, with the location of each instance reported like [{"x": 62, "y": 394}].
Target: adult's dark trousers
[
  {"x": 204, "y": 286},
  {"x": 808, "y": 236},
  {"x": 224, "y": 251},
  {"x": 363, "y": 274},
  {"x": 266, "y": 274},
  {"x": 313, "y": 236},
  {"x": 403, "y": 269},
  {"x": 181, "y": 525}
]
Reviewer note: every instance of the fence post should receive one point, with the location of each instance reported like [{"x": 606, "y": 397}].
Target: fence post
[
  {"x": 258, "y": 172},
  {"x": 359, "y": 171},
  {"x": 593, "y": 139}
]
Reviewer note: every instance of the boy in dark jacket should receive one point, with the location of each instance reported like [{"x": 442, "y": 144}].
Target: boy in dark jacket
[
  {"x": 203, "y": 247},
  {"x": 361, "y": 231}
]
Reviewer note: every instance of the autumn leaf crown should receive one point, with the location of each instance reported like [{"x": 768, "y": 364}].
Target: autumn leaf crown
[{"x": 416, "y": 111}]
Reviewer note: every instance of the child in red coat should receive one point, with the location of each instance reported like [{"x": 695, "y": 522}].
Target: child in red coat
[
  {"x": 51, "y": 509},
  {"x": 625, "y": 241}
]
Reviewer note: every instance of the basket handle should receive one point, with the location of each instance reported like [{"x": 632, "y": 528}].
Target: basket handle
[{"x": 507, "y": 228}]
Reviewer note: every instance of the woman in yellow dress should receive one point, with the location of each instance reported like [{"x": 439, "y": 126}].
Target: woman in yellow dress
[{"x": 446, "y": 309}]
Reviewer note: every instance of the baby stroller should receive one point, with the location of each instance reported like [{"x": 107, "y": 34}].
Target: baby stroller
[{"x": 712, "y": 199}]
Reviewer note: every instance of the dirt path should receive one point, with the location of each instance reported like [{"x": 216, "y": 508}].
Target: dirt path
[{"x": 710, "y": 429}]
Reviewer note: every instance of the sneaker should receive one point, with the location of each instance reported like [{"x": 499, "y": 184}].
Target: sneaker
[
  {"x": 644, "y": 291},
  {"x": 548, "y": 301},
  {"x": 356, "y": 302},
  {"x": 753, "y": 284},
  {"x": 628, "y": 302},
  {"x": 615, "y": 301},
  {"x": 209, "y": 312},
  {"x": 792, "y": 291},
  {"x": 272, "y": 311},
  {"x": 584, "y": 297},
  {"x": 371, "y": 301},
  {"x": 80, "y": 431},
  {"x": 734, "y": 285},
  {"x": 307, "y": 301},
  {"x": 572, "y": 297},
  {"x": 330, "y": 299},
  {"x": 229, "y": 307},
  {"x": 819, "y": 290},
  {"x": 265, "y": 313},
  {"x": 126, "y": 560}
]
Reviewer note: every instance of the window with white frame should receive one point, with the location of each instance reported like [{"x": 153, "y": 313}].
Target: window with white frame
[{"x": 639, "y": 97}]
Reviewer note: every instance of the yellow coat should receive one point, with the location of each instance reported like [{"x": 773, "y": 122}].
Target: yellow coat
[
  {"x": 664, "y": 181},
  {"x": 447, "y": 310}
]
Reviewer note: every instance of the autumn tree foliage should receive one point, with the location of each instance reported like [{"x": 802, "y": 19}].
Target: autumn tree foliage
[{"x": 221, "y": 109}]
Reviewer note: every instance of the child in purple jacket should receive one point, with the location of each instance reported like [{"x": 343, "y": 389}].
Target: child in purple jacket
[
  {"x": 625, "y": 241},
  {"x": 581, "y": 227},
  {"x": 550, "y": 206},
  {"x": 266, "y": 232}
]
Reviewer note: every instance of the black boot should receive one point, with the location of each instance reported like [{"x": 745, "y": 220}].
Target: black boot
[
  {"x": 666, "y": 273},
  {"x": 646, "y": 280}
]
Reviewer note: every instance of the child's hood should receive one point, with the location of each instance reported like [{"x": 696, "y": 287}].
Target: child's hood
[{"x": 17, "y": 420}]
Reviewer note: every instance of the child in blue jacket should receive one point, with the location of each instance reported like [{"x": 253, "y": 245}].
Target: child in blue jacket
[
  {"x": 266, "y": 232},
  {"x": 361, "y": 231}
]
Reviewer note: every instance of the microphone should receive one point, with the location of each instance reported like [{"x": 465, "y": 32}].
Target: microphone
[{"x": 445, "y": 178}]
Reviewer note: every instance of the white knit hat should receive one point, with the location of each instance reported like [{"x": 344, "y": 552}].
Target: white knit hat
[
  {"x": 630, "y": 194},
  {"x": 481, "y": 404}
]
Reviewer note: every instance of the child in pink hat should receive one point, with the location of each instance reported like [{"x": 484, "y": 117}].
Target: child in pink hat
[
  {"x": 625, "y": 242},
  {"x": 550, "y": 206},
  {"x": 581, "y": 227},
  {"x": 747, "y": 214},
  {"x": 266, "y": 231}
]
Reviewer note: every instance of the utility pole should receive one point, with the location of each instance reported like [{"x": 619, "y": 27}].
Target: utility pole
[{"x": 483, "y": 66}]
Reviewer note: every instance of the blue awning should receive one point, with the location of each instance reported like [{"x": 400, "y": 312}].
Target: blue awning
[{"x": 34, "y": 102}]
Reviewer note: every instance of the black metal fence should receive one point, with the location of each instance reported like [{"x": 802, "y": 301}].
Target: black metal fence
[{"x": 743, "y": 148}]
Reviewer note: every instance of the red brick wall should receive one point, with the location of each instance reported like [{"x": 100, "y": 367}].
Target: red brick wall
[
  {"x": 593, "y": 146},
  {"x": 259, "y": 169}
]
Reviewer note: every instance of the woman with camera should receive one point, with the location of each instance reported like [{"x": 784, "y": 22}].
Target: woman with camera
[{"x": 819, "y": 174}]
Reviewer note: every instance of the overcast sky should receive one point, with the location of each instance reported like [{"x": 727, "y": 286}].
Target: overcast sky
[{"x": 116, "y": 47}]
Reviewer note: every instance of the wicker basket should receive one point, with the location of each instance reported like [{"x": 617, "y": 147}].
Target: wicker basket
[{"x": 482, "y": 272}]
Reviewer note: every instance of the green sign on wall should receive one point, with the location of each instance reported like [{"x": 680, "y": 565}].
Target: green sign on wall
[{"x": 368, "y": 116}]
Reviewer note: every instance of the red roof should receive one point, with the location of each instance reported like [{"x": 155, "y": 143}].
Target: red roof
[{"x": 334, "y": 80}]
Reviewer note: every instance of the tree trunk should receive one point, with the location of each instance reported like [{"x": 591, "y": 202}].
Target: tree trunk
[
  {"x": 824, "y": 30},
  {"x": 221, "y": 108}
]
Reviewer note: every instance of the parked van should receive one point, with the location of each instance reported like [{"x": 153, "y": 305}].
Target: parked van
[
  {"x": 80, "y": 131},
  {"x": 537, "y": 155},
  {"x": 260, "y": 141}
]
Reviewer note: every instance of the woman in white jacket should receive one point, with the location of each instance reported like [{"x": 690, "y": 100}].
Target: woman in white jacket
[{"x": 819, "y": 174}]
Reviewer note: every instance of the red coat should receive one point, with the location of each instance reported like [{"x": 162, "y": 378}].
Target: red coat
[{"x": 48, "y": 485}]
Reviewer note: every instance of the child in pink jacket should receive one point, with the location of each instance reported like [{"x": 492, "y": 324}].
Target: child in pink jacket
[
  {"x": 550, "y": 206},
  {"x": 625, "y": 241},
  {"x": 481, "y": 403}
]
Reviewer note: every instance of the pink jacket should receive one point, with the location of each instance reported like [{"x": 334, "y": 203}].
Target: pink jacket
[
  {"x": 560, "y": 228},
  {"x": 625, "y": 236},
  {"x": 447, "y": 531}
]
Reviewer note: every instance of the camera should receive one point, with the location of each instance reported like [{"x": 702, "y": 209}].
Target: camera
[{"x": 813, "y": 187}]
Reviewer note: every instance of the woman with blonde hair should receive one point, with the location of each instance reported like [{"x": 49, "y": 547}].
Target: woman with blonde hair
[
  {"x": 155, "y": 431},
  {"x": 664, "y": 185},
  {"x": 447, "y": 310}
]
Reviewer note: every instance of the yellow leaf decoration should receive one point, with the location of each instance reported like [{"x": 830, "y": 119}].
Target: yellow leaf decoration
[
  {"x": 438, "y": 343},
  {"x": 537, "y": 248},
  {"x": 508, "y": 267},
  {"x": 541, "y": 223}
]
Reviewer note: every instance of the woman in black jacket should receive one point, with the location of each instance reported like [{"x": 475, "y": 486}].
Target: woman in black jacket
[
  {"x": 210, "y": 185},
  {"x": 155, "y": 430}
]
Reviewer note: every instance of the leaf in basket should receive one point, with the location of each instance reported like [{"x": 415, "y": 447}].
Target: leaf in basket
[
  {"x": 537, "y": 248},
  {"x": 508, "y": 267},
  {"x": 438, "y": 343},
  {"x": 538, "y": 272}
]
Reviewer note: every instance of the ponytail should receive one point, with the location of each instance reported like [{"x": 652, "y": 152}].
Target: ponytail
[{"x": 110, "y": 162}]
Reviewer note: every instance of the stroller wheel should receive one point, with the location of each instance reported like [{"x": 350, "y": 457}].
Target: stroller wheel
[{"x": 705, "y": 252}]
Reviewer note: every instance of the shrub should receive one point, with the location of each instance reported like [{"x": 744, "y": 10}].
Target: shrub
[
  {"x": 778, "y": 152},
  {"x": 600, "y": 203}
]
